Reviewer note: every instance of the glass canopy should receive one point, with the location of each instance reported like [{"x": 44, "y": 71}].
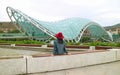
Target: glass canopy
[{"x": 72, "y": 28}]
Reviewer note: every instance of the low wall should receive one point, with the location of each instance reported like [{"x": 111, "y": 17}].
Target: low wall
[
  {"x": 93, "y": 63},
  {"x": 12, "y": 66},
  {"x": 44, "y": 64},
  {"x": 101, "y": 69}
]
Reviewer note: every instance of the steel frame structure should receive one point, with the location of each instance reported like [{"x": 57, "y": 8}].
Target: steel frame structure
[
  {"x": 11, "y": 13},
  {"x": 27, "y": 23}
]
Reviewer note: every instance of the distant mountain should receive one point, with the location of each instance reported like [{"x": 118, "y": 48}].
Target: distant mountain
[{"x": 113, "y": 26}]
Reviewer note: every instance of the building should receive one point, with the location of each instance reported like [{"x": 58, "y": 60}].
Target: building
[
  {"x": 114, "y": 31},
  {"x": 6, "y": 27}
]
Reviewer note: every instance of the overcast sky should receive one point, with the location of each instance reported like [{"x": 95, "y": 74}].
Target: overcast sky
[{"x": 103, "y": 12}]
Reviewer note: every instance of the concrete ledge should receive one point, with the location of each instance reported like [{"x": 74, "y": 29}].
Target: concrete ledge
[
  {"x": 12, "y": 66},
  {"x": 88, "y": 63},
  {"x": 117, "y": 53},
  {"x": 101, "y": 69},
  {"x": 44, "y": 64}
]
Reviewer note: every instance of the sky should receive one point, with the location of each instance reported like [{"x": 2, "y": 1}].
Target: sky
[{"x": 103, "y": 12}]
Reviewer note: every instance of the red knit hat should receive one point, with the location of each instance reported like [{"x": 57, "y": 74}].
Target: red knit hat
[{"x": 59, "y": 35}]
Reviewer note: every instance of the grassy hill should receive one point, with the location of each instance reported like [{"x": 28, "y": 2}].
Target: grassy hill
[{"x": 113, "y": 26}]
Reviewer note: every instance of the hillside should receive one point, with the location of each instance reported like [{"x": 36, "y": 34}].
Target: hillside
[
  {"x": 113, "y": 26},
  {"x": 7, "y": 26}
]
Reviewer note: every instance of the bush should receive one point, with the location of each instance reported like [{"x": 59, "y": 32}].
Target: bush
[
  {"x": 21, "y": 42},
  {"x": 14, "y": 31},
  {"x": 98, "y": 43},
  {"x": 118, "y": 44},
  {"x": 1, "y": 31},
  {"x": 73, "y": 43}
]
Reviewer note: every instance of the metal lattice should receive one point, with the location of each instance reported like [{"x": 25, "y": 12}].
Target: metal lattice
[{"x": 72, "y": 28}]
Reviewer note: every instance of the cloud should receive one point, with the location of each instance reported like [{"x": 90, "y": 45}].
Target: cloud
[
  {"x": 110, "y": 16},
  {"x": 105, "y": 12},
  {"x": 107, "y": 19},
  {"x": 44, "y": 17},
  {"x": 84, "y": 2}
]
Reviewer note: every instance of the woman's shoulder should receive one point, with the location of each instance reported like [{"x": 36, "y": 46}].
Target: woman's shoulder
[{"x": 55, "y": 40}]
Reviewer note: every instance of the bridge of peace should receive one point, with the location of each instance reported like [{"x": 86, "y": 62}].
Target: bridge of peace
[{"x": 38, "y": 60}]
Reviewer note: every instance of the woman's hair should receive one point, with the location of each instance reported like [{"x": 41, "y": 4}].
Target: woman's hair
[{"x": 60, "y": 40}]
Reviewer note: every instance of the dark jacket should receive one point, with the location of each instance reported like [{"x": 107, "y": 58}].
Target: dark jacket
[{"x": 59, "y": 48}]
